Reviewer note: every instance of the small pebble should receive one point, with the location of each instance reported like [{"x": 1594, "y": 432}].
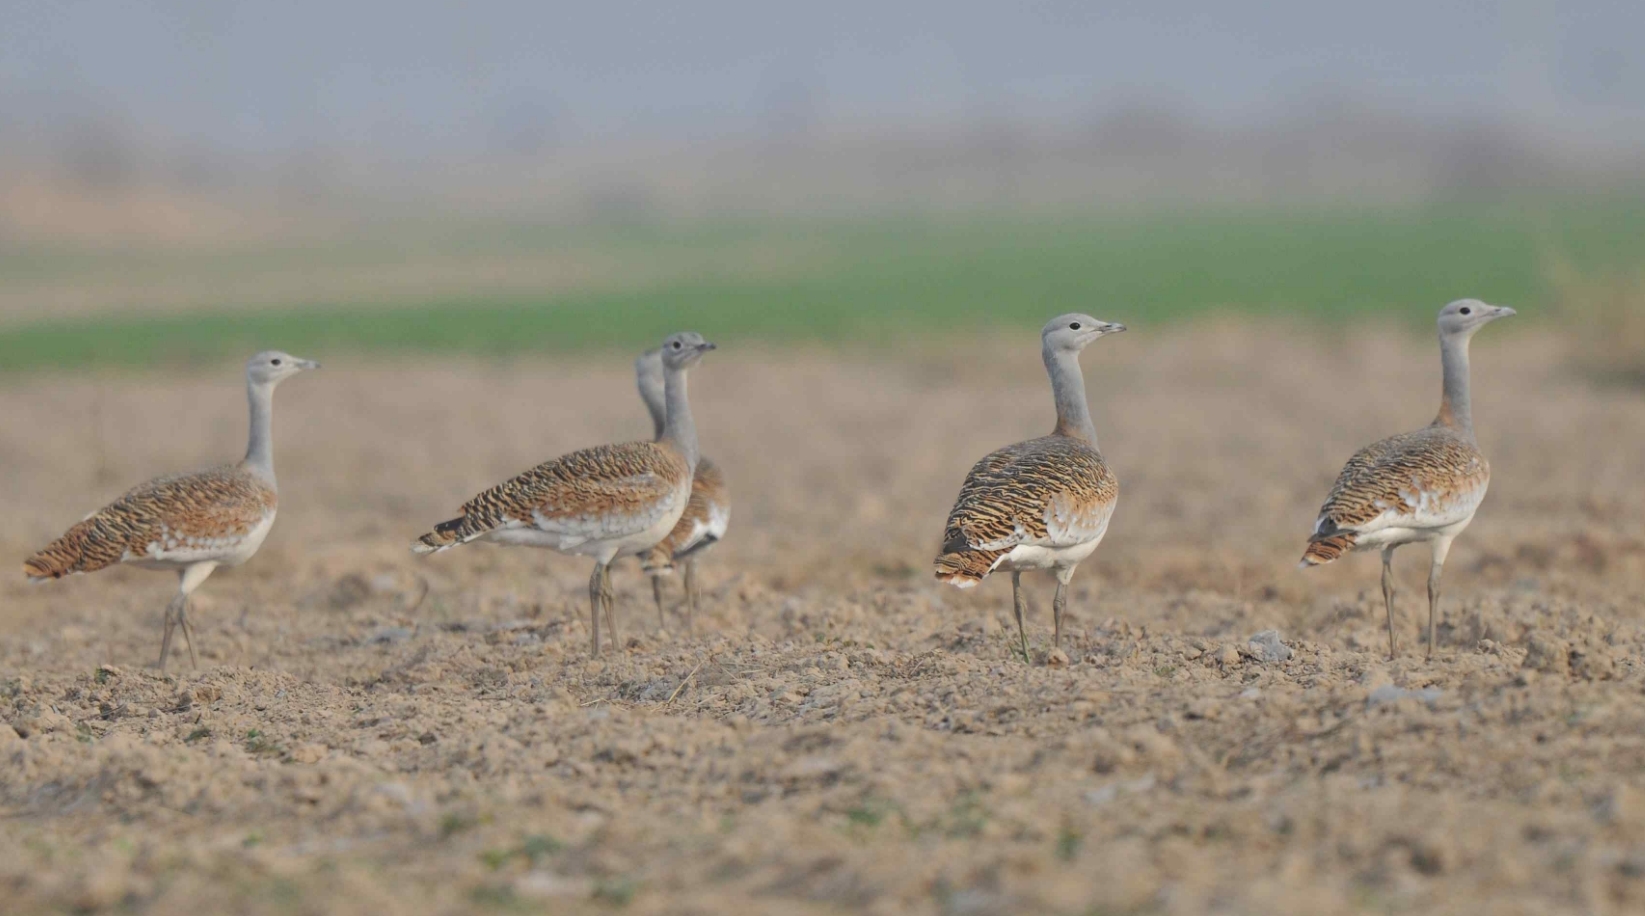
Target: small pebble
[{"x": 1267, "y": 648}]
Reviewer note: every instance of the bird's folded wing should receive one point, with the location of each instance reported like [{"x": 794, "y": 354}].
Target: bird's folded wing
[
  {"x": 1429, "y": 479},
  {"x": 182, "y": 518},
  {"x": 594, "y": 494},
  {"x": 1050, "y": 492}
]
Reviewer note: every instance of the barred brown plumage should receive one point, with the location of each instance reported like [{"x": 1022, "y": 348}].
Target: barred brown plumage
[
  {"x": 191, "y": 523},
  {"x": 1017, "y": 495},
  {"x": 1040, "y": 504},
  {"x": 1326, "y": 549},
  {"x": 605, "y": 502},
  {"x": 165, "y": 518},
  {"x": 601, "y": 492},
  {"x": 1419, "y": 486},
  {"x": 1435, "y": 473}
]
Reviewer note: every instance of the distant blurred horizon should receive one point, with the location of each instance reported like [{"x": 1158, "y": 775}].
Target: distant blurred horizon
[{"x": 203, "y": 122}]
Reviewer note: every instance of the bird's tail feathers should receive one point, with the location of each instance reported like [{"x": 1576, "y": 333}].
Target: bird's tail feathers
[
  {"x": 65, "y": 556},
  {"x": 448, "y": 534},
  {"x": 965, "y": 568},
  {"x": 1325, "y": 549}
]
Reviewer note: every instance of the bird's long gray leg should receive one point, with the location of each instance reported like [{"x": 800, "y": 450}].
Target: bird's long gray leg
[
  {"x": 1057, "y": 604},
  {"x": 657, "y": 595},
  {"x": 1442, "y": 547},
  {"x": 1019, "y": 604},
  {"x": 609, "y": 599},
  {"x": 187, "y": 581},
  {"x": 1388, "y": 596},
  {"x": 594, "y": 604},
  {"x": 690, "y": 593},
  {"x": 188, "y": 631},
  {"x": 171, "y": 623}
]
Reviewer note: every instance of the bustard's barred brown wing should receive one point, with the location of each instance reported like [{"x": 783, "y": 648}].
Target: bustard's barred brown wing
[
  {"x": 601, "y": 493},
  {"x": 185, "y": 518},
  {"x": 703, "y": 523},
  {"x": 1432, "y": 478},
  {"x": 1050, "y": 492}
]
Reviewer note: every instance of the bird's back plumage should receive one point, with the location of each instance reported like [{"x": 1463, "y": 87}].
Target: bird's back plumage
[
  {"x": 208, "y": 516},
  {"x": 596, "y": 494},
  {"x": 1055, "y": 491},
  {"x": 1426, "y": 480}
]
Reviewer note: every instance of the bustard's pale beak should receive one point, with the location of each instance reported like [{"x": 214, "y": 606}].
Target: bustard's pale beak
[
  {"x": 705, "y": 346},
  {"x": 1113, "y": 327},
  {"x": 1502, "y": 311},
  {"x": 307, "y": 364}
]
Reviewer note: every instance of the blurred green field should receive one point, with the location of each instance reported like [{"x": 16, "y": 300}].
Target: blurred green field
[{"x": 866, "y": 282}]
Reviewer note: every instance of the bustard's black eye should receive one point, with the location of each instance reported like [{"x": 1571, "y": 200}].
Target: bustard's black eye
[
  {"x": 1467, "y": 311},
  {"x": 275, "y": 361},
  {"x": 676, "y": 345},
  {"x": 1075, "y": 326}
]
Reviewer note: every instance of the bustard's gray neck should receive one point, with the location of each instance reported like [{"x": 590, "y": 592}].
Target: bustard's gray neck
[
  {"x": 651, "y": 392},
  {"x": 1455, "y": 409},
  {"x": 1068, "y": 388},
  {"x": 677, "y": 424},
  {"x": 260, "y": 444}
]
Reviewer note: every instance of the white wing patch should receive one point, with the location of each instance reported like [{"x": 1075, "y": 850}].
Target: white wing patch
[
  {"x": 704, "y": 532},
  {"x": 719, "y": 518}
]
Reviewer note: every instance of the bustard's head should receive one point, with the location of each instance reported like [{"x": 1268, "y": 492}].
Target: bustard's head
[
  {"x": 1465, "y": 316},
  {"x": 270, "y": 367},
  {"x": 682, "y": 350},
  {"x": 1074, "y": 331}
]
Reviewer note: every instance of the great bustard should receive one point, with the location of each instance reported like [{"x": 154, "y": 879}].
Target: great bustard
[
  {"x": 1420, "y": 486},
  {"x": 707, "y": 513},
  {"x": 1040, "y": 504},
  {"x": 191, "y": 523},
  {"x": 605, "y": 502}
]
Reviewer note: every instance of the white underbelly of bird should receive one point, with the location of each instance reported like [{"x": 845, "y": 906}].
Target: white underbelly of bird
[
  {"x": 1025, "y": 556},
  {"x": 1394, "y": 537}
]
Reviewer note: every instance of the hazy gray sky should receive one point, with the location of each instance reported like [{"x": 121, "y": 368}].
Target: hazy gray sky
[{"x": 419, "y": 77}]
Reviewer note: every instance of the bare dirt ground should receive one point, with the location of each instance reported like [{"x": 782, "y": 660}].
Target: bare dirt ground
[{"x": 368, "y": 732}]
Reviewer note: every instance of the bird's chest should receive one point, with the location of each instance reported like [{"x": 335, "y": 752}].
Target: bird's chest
[{"x": 251, "y": 542}]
